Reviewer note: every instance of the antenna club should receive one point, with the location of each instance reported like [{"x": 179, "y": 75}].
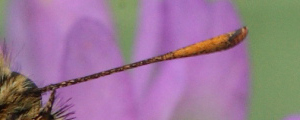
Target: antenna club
[{"x": 219, "y": 43}]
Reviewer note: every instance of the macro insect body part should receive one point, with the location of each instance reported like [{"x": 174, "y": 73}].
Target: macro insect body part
[{"x": 20, "y": 98}]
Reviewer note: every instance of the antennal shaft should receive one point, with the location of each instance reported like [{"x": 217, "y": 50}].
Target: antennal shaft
[{"x": 215, "y": 44}]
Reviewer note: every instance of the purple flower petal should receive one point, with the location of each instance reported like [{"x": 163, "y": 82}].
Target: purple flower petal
[
  {"x": 292, "y": 117},
  {"x": 149, "y": 35},
  {"x": 42, "y": 26},
  {"x": 67, "y": 39},
  {"x": 214, "y": 87},
  {"x": 90, "y": 48},
  {"x": 55, "y": 37}
]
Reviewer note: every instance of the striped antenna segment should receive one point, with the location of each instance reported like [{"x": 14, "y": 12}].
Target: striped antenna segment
[{"x": 219, "y": 43}]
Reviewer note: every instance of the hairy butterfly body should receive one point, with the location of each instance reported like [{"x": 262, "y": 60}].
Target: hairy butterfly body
[{"x": 21, "y": 99}]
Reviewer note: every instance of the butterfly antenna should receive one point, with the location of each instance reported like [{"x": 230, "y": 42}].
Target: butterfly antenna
[{"x": 219, "y": 43}]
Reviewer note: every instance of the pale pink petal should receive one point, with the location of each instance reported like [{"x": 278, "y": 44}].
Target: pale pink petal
[
  {"x": 148, "y": 41},
  {"x": 292, "y": 117},
  {"x": 215, "y": 86},
  {"x": 42, "y": 25},
  {"x": 59, "y": 40},
  {"x": 91, "y": 48}
]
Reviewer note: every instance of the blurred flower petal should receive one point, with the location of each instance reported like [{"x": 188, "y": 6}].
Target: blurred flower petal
[
  {"x": 42, "y": 25},
  {"x": 164, "y": 92},
  {"x": 91, "y": 48},
  {"x": 292, "y": 117},
  {"x": 60, "y": 40},
  {"x": 215, "y": 86},
  {"x": 149, "y": 34}
]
